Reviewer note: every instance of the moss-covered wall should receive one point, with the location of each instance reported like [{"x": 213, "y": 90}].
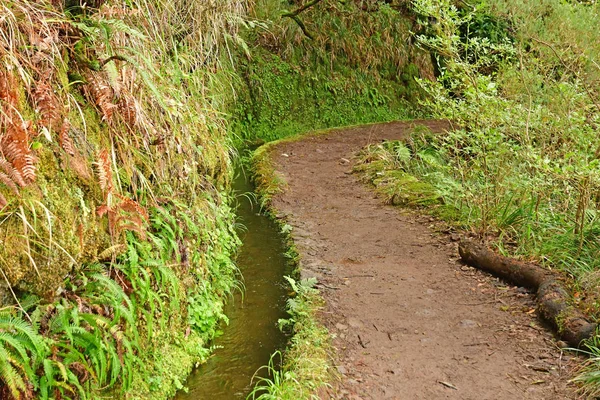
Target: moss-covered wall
[{"x": 358, "y": 66}]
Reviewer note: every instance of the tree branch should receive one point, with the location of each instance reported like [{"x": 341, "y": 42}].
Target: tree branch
[
  {"x": 292, "y": 14},
  {"x": 302, "y": 27}
]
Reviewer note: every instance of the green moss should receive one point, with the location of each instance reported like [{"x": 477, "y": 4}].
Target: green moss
[
  {"x": 171, "y": 363},
  {"x": 121, "y": 313},
  {"x": 53, "y": 238},
  {"x": 280, "y": 98}
]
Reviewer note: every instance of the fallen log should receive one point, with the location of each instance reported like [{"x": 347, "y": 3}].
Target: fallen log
[{"x": 552, "y": 298}]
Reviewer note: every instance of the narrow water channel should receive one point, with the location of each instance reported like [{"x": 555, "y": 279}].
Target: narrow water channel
[{"x": 252, "y": 334}]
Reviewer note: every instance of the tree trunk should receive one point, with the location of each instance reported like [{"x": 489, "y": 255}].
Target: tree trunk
[{"x": 552, "y": 298}]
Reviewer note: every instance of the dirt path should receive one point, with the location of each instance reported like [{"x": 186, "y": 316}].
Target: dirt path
[{"x": 411, "y": 321}]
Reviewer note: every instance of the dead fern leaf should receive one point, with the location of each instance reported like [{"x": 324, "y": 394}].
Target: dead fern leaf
[
  {"x": 102, "y": 94},
  {"x": 3, "y": 202},
  {"x": 15, "y": 147},
  {"x": 9, "y": 170},
  {"x": 47, "y": 104},
  {"x": 28, "y": 167},
  {"x": 104, "y": 172},
  {"x": 129, "y": 110},
  {"x": 5, "y": 179},
  {"x": 112, "y": 252},
  {"x": 126, "y": 215},
  {"x": 17, "y": 163},
  {"x": 8, "y": 93},
  {"x": 63, "y": 138},
  {"x": 132, "y": 206}
]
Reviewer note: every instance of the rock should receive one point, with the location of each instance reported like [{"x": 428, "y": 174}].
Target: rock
[
  {"x": 467, "y": 323},
  {"x": 6, "y": 297},
  {"x": 355, "y": 323},
  {"x": 341, "y": 327},
  {"x": 342, "y": 370}
]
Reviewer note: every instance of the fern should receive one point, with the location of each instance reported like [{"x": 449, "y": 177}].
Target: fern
[
  {"x": 104, "y": 173},
  {"x": 47, "y": 105},
  {"x": 95, "y": 348},
  {"x": 63, "y": 138},
  {"x": 14, "y": 175},
  {"x": 14, "y": 143},
  {"x": 101, "y": 93},
  {"x": 5, "y": 179},
  {"x": 21, "y": 350},
  {"x": 124, "y": 214}
]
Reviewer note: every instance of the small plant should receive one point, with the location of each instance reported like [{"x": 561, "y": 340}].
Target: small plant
[
  {"x": 22, "y": 351},
  {"x": 305, "y": 364}
]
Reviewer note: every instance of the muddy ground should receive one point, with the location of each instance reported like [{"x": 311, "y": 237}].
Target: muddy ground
[{"x": 411, "y": 322}]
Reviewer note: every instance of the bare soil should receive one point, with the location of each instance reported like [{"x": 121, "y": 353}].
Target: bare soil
[{"x": 411, "y": 322}]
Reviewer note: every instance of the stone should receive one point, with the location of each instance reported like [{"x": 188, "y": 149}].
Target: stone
[
  {"x": 467, "y": 323},
  {"x": 355, "y": 323},
  {"x": 341, "y": 327}
]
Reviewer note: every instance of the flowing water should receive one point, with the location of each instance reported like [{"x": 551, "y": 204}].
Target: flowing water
[{"x": 252, "y": 334}]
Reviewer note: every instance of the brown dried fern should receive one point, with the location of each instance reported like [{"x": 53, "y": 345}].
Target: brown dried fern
[
  {"x": 15, "y": 148},
  {"x": 104, "y": 173},
  {"x": 128, "y": 109},
  {"x": 8, "y": 94},
  {"x": 132, "y": 206},
  {"x": 64, "y": 139},
  {"x": 5, "y": 179},
  {"x": 123, "y": 213},
  {"x": 12, "y": 172},
  {"x": 101, "y": 93},
  {"x": 47, "y": 103},
  {"x": 14, "y": 143}
]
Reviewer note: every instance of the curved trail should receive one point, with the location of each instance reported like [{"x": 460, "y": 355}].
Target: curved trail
[{"x": 411, "y": 321}]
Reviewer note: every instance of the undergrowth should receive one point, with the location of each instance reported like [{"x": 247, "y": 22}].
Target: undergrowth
[
  {"x": 305, "y": 368},
  {"x": 355, "y": 66},
  {"x": 519, "y": 80}
]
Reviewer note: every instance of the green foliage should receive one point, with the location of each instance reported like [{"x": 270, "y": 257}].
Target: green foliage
[
  {"x": 305, "y": 366},
  {"x": 281, "y": 99},
  {"x": 108, "y": 332},
  {"x": 123, "y": 315},
  {"x": 21, "y": 351},
  {"x": 589, "y": 377},
  {"x": 519, "y": 166},
  {"x": 358, "y": 68},
  {"x": 393, "y": 167}
]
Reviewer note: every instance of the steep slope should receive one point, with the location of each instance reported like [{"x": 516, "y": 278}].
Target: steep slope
[{"x": 117, "y": 236}]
